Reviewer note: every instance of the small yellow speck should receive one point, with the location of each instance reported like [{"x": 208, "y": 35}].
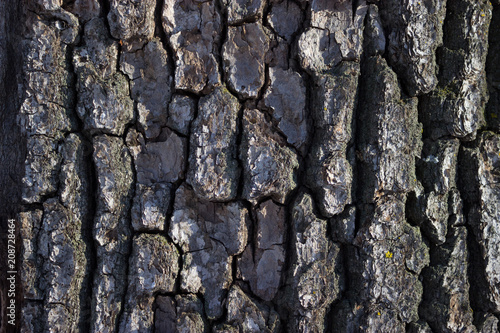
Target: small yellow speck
[
  {"x": 422, "y": 130},
  {"x": 378, "y": 313},
  {"x": 314, "y": 292},
  {"x": 483, "y": 15},
  {"x": 388, "y": 254}
]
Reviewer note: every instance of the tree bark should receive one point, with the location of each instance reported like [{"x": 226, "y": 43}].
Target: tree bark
[{"x": 251, "y": 166}]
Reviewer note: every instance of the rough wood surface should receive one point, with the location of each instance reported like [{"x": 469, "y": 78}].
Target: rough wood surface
[{"x": 252, "y": 166}]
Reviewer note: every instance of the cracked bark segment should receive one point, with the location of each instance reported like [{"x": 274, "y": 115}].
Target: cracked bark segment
[
  {"x": 318, "y": 51},
  {"x": 181, "y": 112},
  {"x": 74, "y": 184},
  {"x": 247, "y": 315},
  {"x": 209, "y": 234},
  {"x": 193, "y": 31},
  {"x": 334, "y": 100},
  {"x": 263, "y": 269},
  {"x": 437, "y": 171},
  {"x": 465, "y": 32},
  {"x": 162, "y": 161},
  {"x": 158, "y": 165},
  {"x": 98, "y": 49},
  {"x": 150, "y": 85},
  {"x": 239, "y": 11},
  {"x": 153, "y": 269},
  {"x": 30, "y": 223},
  {"x": 56, "y": 249},
  {"x": 343, "y": 226},
  {"x": 42, "y": 166},
  {"x": 113, "y": 165},
  {"x": 74, "y": 195},
  {"x": 277, "y": 56},
  {"x": 185, "y": 229},
  {"x": 229, "y": 226},
  {"x": 191, "y": 16},
  {"x": 415, "y": 32},
  {"x": 285, "y": 18},
  {"x": 150, "y": 206},
  {"x": 213, "y": 166},
  {"x": 103, "y": 103},
  {"x": 430, "y": 211},
  {"x": 480, "y": 180},
  {"x": 196, "y": 221},
  {"x": 386, "y": 262},
  {"x": 456, "y": 107},
  {"x": 344, "y": 21},
  {"x": 85, "y": 10},
  {"x": 132, "y": 22},
  {"x": 387, "y": 149},
  {"x": 314, "y": 279},
  {"x": 270, "y": 167},
  {"x": 48, "y": 93},
  {"x": 336, "y": 34},
  {"x": 64, "y": 276},
  {"x": 331, "y": 16},
  {"x": 271, "y": 227},
  {"x": 446, "y": 298},
  {"x": 286, "y": 100},
  {"x": 208, "y": 271},
  {"x": 243, "y": 56},
  {"x": 184, "y": 313},
  {"x": 374, "y": 41},
  {"x": 438, "y": 165},
  {"x": 190, "y": 314},
  {"x": 329, "y": 173},
  {"x": 53, "y": 13},
  {"x": 262, "y": 265}
]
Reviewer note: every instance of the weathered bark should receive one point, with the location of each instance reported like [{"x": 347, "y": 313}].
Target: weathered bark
[{"x": 252, "y": 166}]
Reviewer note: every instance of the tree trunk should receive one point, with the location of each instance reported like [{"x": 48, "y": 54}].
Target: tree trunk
[{"x": 250, "y": 166}]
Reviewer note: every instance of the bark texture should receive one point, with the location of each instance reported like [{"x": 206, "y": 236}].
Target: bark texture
[{"x": 253, "y": 165}]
